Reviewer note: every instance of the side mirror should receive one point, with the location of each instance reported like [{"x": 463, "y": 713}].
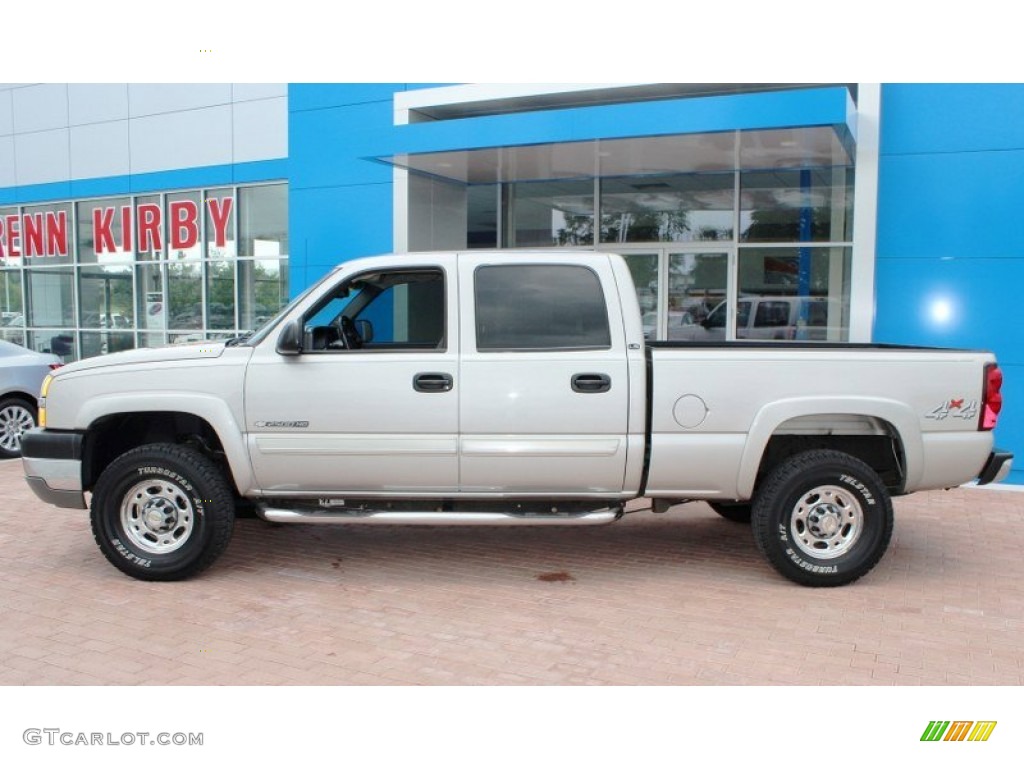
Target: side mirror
[
  {"x": 365, "y": 329},
  {"x": 289, "y": 341}
]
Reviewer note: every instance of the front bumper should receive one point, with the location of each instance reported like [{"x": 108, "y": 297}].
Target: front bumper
[
  {"x": 53, "y": 466},
  {"x": 996, "y": 468}
]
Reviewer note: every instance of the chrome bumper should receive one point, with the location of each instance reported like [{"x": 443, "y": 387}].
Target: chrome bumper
[{"x": 53, "y": 467}]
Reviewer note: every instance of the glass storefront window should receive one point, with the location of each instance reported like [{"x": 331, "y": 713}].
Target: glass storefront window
[
  {"x": 12, "y": 307},
  {"x": 106, "y": 297},
  {"x": 51, "y": 297},
  {"x": 184, "y": 295},
  {"x": 52, "y": 341},
  {"x": 104, "y": 342},
  {"x": 149, "y": 297},
  {"x": 696, "y": 286},
  {"x": 263, "y": 220},
  {"x": 220, "y": 295},
  {"x": 11, "y": 304},
  {"x": 643, "y": 268},
  {"x": 482, "y": 204},
  {"x": 794, "y": 293},
  {"x": 679, "y": 208},
  {"x": 152, "y": 340},
  {"x": 262, "y": 290},
  {"x": 807, "y": 205},
  {"x": 550, "y": 213}
]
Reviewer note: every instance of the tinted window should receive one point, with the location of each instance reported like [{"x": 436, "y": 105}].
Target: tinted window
[{"x": 523, "y": 307}]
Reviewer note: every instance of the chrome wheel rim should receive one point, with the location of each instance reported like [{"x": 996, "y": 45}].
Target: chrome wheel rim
[
  {"x": 826, "y": 522},
  {"x": 157, "y": 516},
  {"x": 15, "y": 420}
]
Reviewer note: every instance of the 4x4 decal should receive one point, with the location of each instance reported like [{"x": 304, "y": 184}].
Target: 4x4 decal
[{"x": 954, "y": 409}]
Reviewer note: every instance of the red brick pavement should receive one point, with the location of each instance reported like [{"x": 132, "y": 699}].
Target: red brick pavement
[{"x": 681, "y": 598}]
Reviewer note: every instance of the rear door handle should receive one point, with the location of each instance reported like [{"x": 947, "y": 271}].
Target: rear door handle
[
  {"x": 586, "y": 383},
  {"x": 432, "y": 382}
]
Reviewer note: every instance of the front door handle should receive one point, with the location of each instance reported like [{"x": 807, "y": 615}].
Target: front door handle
[
  {"x": 591, "y": 382},
  {"x": 432, "y": 382}
]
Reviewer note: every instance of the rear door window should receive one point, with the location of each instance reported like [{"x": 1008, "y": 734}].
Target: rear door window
[{"x": 522, "y": 307}]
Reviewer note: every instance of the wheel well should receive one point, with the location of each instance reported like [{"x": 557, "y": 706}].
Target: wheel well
[
  {"x": 111, "y": 436},
  {"x": 23, "y": 396},
  {"x": 874, "y": 441}
]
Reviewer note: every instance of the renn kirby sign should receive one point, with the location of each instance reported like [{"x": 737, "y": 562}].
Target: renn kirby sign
[{"x": 41, "y": 234}]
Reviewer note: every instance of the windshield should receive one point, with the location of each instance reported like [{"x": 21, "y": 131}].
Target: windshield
[{"x": 260, "y": 333}]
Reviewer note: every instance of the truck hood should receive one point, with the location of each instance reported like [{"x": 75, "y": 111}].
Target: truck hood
[{"x": 193, "y": 350}]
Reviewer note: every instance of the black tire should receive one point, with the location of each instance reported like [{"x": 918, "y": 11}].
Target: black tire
[
  {"x": 822, "y": 518},
  {"x": 162, "y": 512},
  {"x": 16, "y": 413},
  {"x": 737, "y": 512}
]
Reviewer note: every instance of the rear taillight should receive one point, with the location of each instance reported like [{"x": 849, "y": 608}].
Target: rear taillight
[
  {"x": 55, "y": 366},
  {"x": 992, "y": 399}
]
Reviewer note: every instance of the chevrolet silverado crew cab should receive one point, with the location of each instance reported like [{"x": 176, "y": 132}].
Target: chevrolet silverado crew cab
[{"x": 497, "y": 388}]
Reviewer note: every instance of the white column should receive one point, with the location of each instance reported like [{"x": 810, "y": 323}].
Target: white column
[{"x": 865, "y": 212}]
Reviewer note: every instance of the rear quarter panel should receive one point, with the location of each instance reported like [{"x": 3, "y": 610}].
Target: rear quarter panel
[{"x": 715, "y": 408}]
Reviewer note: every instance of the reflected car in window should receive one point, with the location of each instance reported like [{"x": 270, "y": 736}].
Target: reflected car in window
[{"x": 770, "y": 318}]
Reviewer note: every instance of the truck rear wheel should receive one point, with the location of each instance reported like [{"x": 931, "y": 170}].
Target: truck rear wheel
[
  {"x": 822, "y": 518},
  {"x": 162, "y": 512}
]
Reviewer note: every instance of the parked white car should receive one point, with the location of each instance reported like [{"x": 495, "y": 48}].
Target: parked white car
[{"x": 21, "y": 374}]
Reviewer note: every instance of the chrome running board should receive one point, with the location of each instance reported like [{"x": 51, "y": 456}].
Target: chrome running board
[{"x": 384, "y": 517}]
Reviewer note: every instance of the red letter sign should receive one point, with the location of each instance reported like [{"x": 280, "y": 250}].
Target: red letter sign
[
  {"x": 220, "y": 212},
  {"x": 184, "y": 224},
  {"x": 57, "y": 233},
  {"x": 13, "y": 237},
  {"x": 149, "y": 227},
  {"x": 102, "y": 234},
  {"x": 33, "y": 224}
]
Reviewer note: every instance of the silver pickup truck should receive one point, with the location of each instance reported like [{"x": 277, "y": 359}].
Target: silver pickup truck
[{"x": 493, "y": 388}]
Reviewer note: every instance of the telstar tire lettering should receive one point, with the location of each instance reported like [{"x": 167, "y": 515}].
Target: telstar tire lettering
[
  {"x": 858, "y": 485},
  {"x": 125, "y": 552}
]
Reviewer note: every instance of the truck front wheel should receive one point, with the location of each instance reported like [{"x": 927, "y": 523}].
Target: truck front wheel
[
  {"x": 162, "y": 512},
  {"x": 822, "y": 518}
]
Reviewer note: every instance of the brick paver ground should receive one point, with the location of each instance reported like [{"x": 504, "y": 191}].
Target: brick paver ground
[{"x": 682, "y": 598}]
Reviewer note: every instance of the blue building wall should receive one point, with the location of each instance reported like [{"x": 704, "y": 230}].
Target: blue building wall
[
  {"x": 340, "y": 203},
  {"x": 950, "y": 267}
]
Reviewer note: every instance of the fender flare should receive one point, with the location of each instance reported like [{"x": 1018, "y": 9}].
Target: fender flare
[
  {"x": 213, "y": 410},
  {"x": 903, "y": 420}
]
